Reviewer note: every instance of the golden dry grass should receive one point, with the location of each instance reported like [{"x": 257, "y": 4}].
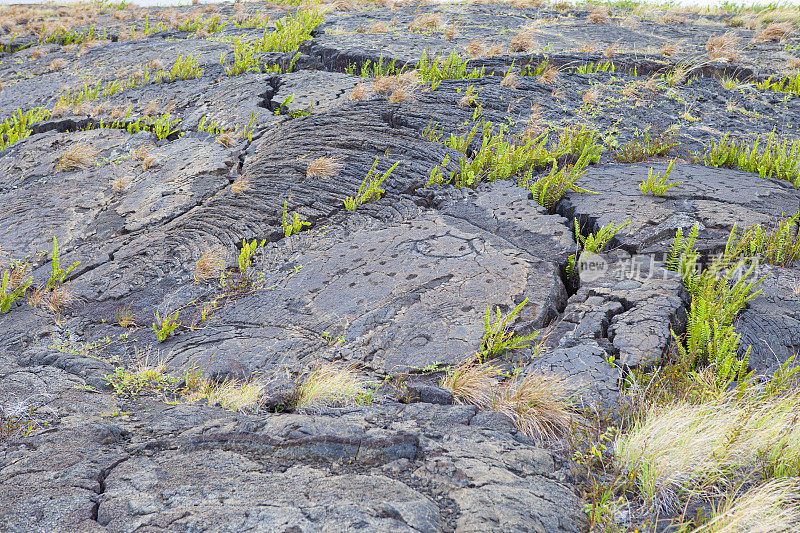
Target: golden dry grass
[
  {"x": 471, "y": 382},
  {"x": 403, "y": 94},
  {"x": 210, "y": 265},
  {"x": 592, "y": 95},
  {"x": 227, "y": 139},
  {"x": 359, "y": 92},
  {"x": 120, "y": 184},
  {"x": 426, "y": 22},
  {"x": 588, "y": 47},
  {"x": 522, "y": 42},
  {"x": 599, "y": 15},
  {"x": 723, "y": 46},
  {"x": 57, "y": 64},
  {"x": 771, "y": 507},
  {"x": 774, "y": 32},
  {"x": 330, "y": 385},
  {"x": 78, "y": 156},
  {"x": 669, "y": 48},
  {"x": 540, "y": 404},
  {"x": 549, "y": 75},
  {"x": 510, "y": 80},
  {"x": 240, "y": 185},
  {"x": 325, "y": 167}
]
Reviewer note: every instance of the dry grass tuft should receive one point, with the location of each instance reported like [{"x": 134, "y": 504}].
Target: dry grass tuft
[
  {"x": 549, "y": 75},
  {"x": 611, "y": 50},
  {"x": 675, "y": 447},
  {"x": 58, "y": 297},
  {"x": 80, "y": 155},
  {"x": 522, "y": 42},
  {"x": 240, "y": 185},
  {"x": 588, "y": 47},
  {"x": 774, "y": 32},
  {"x": 403, "y": 94},
  {"x": 230, "y": 394},
  {"x": 325, "y": 167},
  {"x": 471, "y": 382},
  {"x": 723, "y": 46},
  {"x": 669, "y": 48},
  {"x": 359, "y": 92},
  {"x": 425, "y": 22},
  {"x": 510, "y": 80},
  {"x": 476, "y": 49},
  {"x": 540, "y": 404},
  {"x": 210, "y": 265},
  {"x": 773, "y": 506},
  {"x": 793, "y": 63},
  {"x": 592, "y": 95},
  {"x": 57, "y": 64},
  {"x": 330, "y": 385},
  {"x": 120, "y": 184},
  {"x": 599, "y": 15},
  {"x": 380, "y": 27},
  {"x": 228, "y": 139}
]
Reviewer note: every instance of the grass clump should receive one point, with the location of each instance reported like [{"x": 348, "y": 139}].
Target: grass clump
[
  {"x": 370, "y": 188},
  {"x": 330, "y": 385},
  {"x": 539, "y": 404},
  {"x": 78, "y": 156},
  {"x": 776, "y": 160},
  {"x": 771, "y": 506},
  {"x": 657, "y": 185},
  {"x": 471, "y": 382}
]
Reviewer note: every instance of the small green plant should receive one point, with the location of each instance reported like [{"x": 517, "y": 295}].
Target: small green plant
[
  {"x": 165, "y": 326},
  {"x": 378, "y": 69},
  {"x": 164, "y": 126},
  {"x": 246, "y": 254},
  {"x": 497, "y": 338},
  {"x": 592, "y": 68},
  {"x": 184, "y": 68},
  {"x": 596, "y": 242},
  {"x": 370, "y": 188},
  {"x": 657, "y": 185},
  {"x": 57, "y": 274},
  {"x": 547, "y": 190},
  {"x": 781, "y": 246},
  {"x": 787, "y": 84},
  {"x": 644, "y": 145},
  {"x": 453, "y": 67},
  {"x": 11, "y": 292},
  {"x": 295, "y": 225},
  {"x": 18, "y": 126},
  {"x": 776, "y": 159}
]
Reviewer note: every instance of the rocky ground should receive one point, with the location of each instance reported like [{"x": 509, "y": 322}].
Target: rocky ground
[{"x": 399, "y": 287}]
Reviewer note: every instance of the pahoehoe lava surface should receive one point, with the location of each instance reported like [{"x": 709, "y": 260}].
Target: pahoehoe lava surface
[{"x": 398, "y": 288}]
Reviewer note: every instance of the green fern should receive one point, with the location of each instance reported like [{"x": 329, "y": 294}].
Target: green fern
[
  {"x": 497, "y": 338},
  {"x": 370, "y": 188},
  {"x": 58, "y": 274}
]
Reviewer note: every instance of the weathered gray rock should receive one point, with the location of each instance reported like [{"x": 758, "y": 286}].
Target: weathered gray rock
[{"x": 714, "y": 198}]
